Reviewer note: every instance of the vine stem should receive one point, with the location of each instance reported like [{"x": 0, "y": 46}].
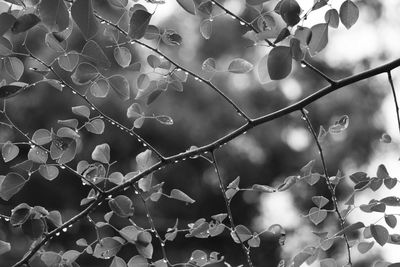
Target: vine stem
[
  {"x": 94, "y": 107},
  {"x": 394, "y": 98},
  {"x": 250, "y": 26},
  {"x": 197, "y": 77},
  {"x": 342, "y": 221},
  {"x": 246, "y": 251}
]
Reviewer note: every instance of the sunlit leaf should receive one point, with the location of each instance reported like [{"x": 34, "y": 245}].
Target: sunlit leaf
[
  {"x": 95, "y": 126},
  {"x": 164, "y": 119},
  {"x": 48, "y": 171},
  {"x": 332, "y": 18},
  {"x": 121, "y": 206},
  {"x": 93, "y": 52},
  {"x": 188, "y": 6},
  {"x": 14, "y": 67},
  {"x": 206, "y": 28},
  {"x": 83, "y": 111},
  {"x": 239, "y": 65},
  {"x": 25, "y": 22},
  {"x": 84, "y": 73},
  {"x": 319, "y": 38},
  {"x": 317, "y": 215},
  {"x": 379, "y": 233},
  {"x": 68, "y": 61},
  {"x": 179, "y": 195}
]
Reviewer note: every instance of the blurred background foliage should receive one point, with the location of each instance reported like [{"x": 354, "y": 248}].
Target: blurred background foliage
[{"x": 265, "y": 155}]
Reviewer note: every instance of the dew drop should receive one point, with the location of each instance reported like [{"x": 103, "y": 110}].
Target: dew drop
[
  {"x": 178, "y": 69},
  {"x": 113, "y": 123},
  {"x": 303, "y": 65},
  {"x": 93, "y": 108},
  {"x": 132, "y": 42},
  {"x": 196, "y": 78},
  {"x": 176, "y": 161},
  {"x": 70, "y": 225},
  {"x": 131, "y": 134},
  {"x": 110, "y": 196},
  {"x": 57, "y": 234},
  {"x": 242, "y": 23},
  {"x": 64, "y": 230},
  {"x": 187, "y": 73},
  {"x": 74, "y": 92},
  {"x": 62, "y": 167},
  {"x": 233, "y": 17},
  {"x": 144, "y": 145},
  {"x": 103, "y": 22},
  {"x": 7, "y": 219},
  {"x": 211, "y": 20},
  {"x": 162, "y": 57}
]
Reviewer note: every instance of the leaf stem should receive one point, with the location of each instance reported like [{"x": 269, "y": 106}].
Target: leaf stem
[{"x": 342, "y": 221}]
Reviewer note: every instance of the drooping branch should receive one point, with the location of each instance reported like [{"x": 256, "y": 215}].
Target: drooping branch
[{"x": 328, "y": 182}]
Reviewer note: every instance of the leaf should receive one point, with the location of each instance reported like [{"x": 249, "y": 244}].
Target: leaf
[
  {"x": 289, "y": 182},
  {"x": 20, "y": 214},
  {"x": 143, "y": 160},
  {"x": 317, "y": 215},
  {"x": 279, "y": 62},
  {"x": 101, "y": 153},
  {"x": 209, "y": 65},
  {"x": 83, "y": 15},
  {"x": 175, "y": 85},
  {"x": 379, "y": 233},
  {"x": 68, "y": 61},
  {"x": 6, "y": 22},
  {"x": 38, "y": 155},
  {"x": 49, "y": 172},
  {"x": 138, "y": 261},
  {"x": 5, "y": 47},
  {"x": 84, "y": 73},
  {"x": 152, "y": 33},
  {"x": 234, "y": 184},
  {"x": 332, "y": 18},
  {"x": 123, "y": 56},
  {"x": 4, "y": 247},
  {"x": 70, "y": 256},
  {"x": 138, "y": 122},
  {"x": 55, "y": 218},
  {"x": 51, "y": 258},
  {"x": 290, "y": 11},
  {"x": 319, "y": 38},
  {"x": 298, "y": 53},
  {"x": 340, "y": 125},
  {"x": 54, "y": 14},
  {"x": 179, "y": 195},
  {"x": 303, "y": 34},
  {"x": 25, "y": 22},
  {"x": 188, "y": 6},
  {"x": 170, "y": 37},
  {"x": 138, "y": 23},
  {"x": 391, "y": 201},
  {"x": 119, "y": 3},
  {"x": 107, "y": 247},
  {"x": 256, "y": 2},
  {"x": 320, "y": 201},
  {"x": 164, "y": 119},
  {"x": 239, "y": 65},
  {"x": 93, "y": 52},
  {"x": 391, "y": 220},
  {"x": 382, "y": 172},
  {"x": 143, "y": 81},
  {"x": 121, "y": 206},
  {"x": 118, "y": 262},
  {"x": 14, "y": 67},
  {"x": 263, "y": 188},
  {"x": 328, "y": 262},
  {"x": 95, "y": 126},
  {"x": 241, "y": 234},
  {"x": 386, "y": 138},
  {"x": 9, "y": 151},
  {"x": 83, "y": 111},
  {"x": 134, "y": 111},
  {"x": 348, "y": 13},
  {"x": 100, "y": 88},
  {"x": 206, "y": 28},
  {"x": 153, "y": 61},
  {"x": 364, "y": 247},
  {"x": 33, "y": 228},
  {"x": 120, "y": 85},
  {"x": 350, "y": 228}
]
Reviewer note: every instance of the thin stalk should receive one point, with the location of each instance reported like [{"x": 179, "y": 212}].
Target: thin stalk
[{"x": 394, "y": 98}]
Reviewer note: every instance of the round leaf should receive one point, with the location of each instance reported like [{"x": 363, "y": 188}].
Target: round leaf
[
  {"x": 279, "y": 62},
  {"x": 101, "y": 153}
]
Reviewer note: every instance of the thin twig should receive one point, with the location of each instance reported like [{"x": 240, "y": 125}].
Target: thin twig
[
  {"x": 342, "y": 221},
  {"x": 394, "y": 98},
  {"x": 197, "y": 77},
  {"x": 246, "y": 251},
  {"x": 251, "y": 26}
]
